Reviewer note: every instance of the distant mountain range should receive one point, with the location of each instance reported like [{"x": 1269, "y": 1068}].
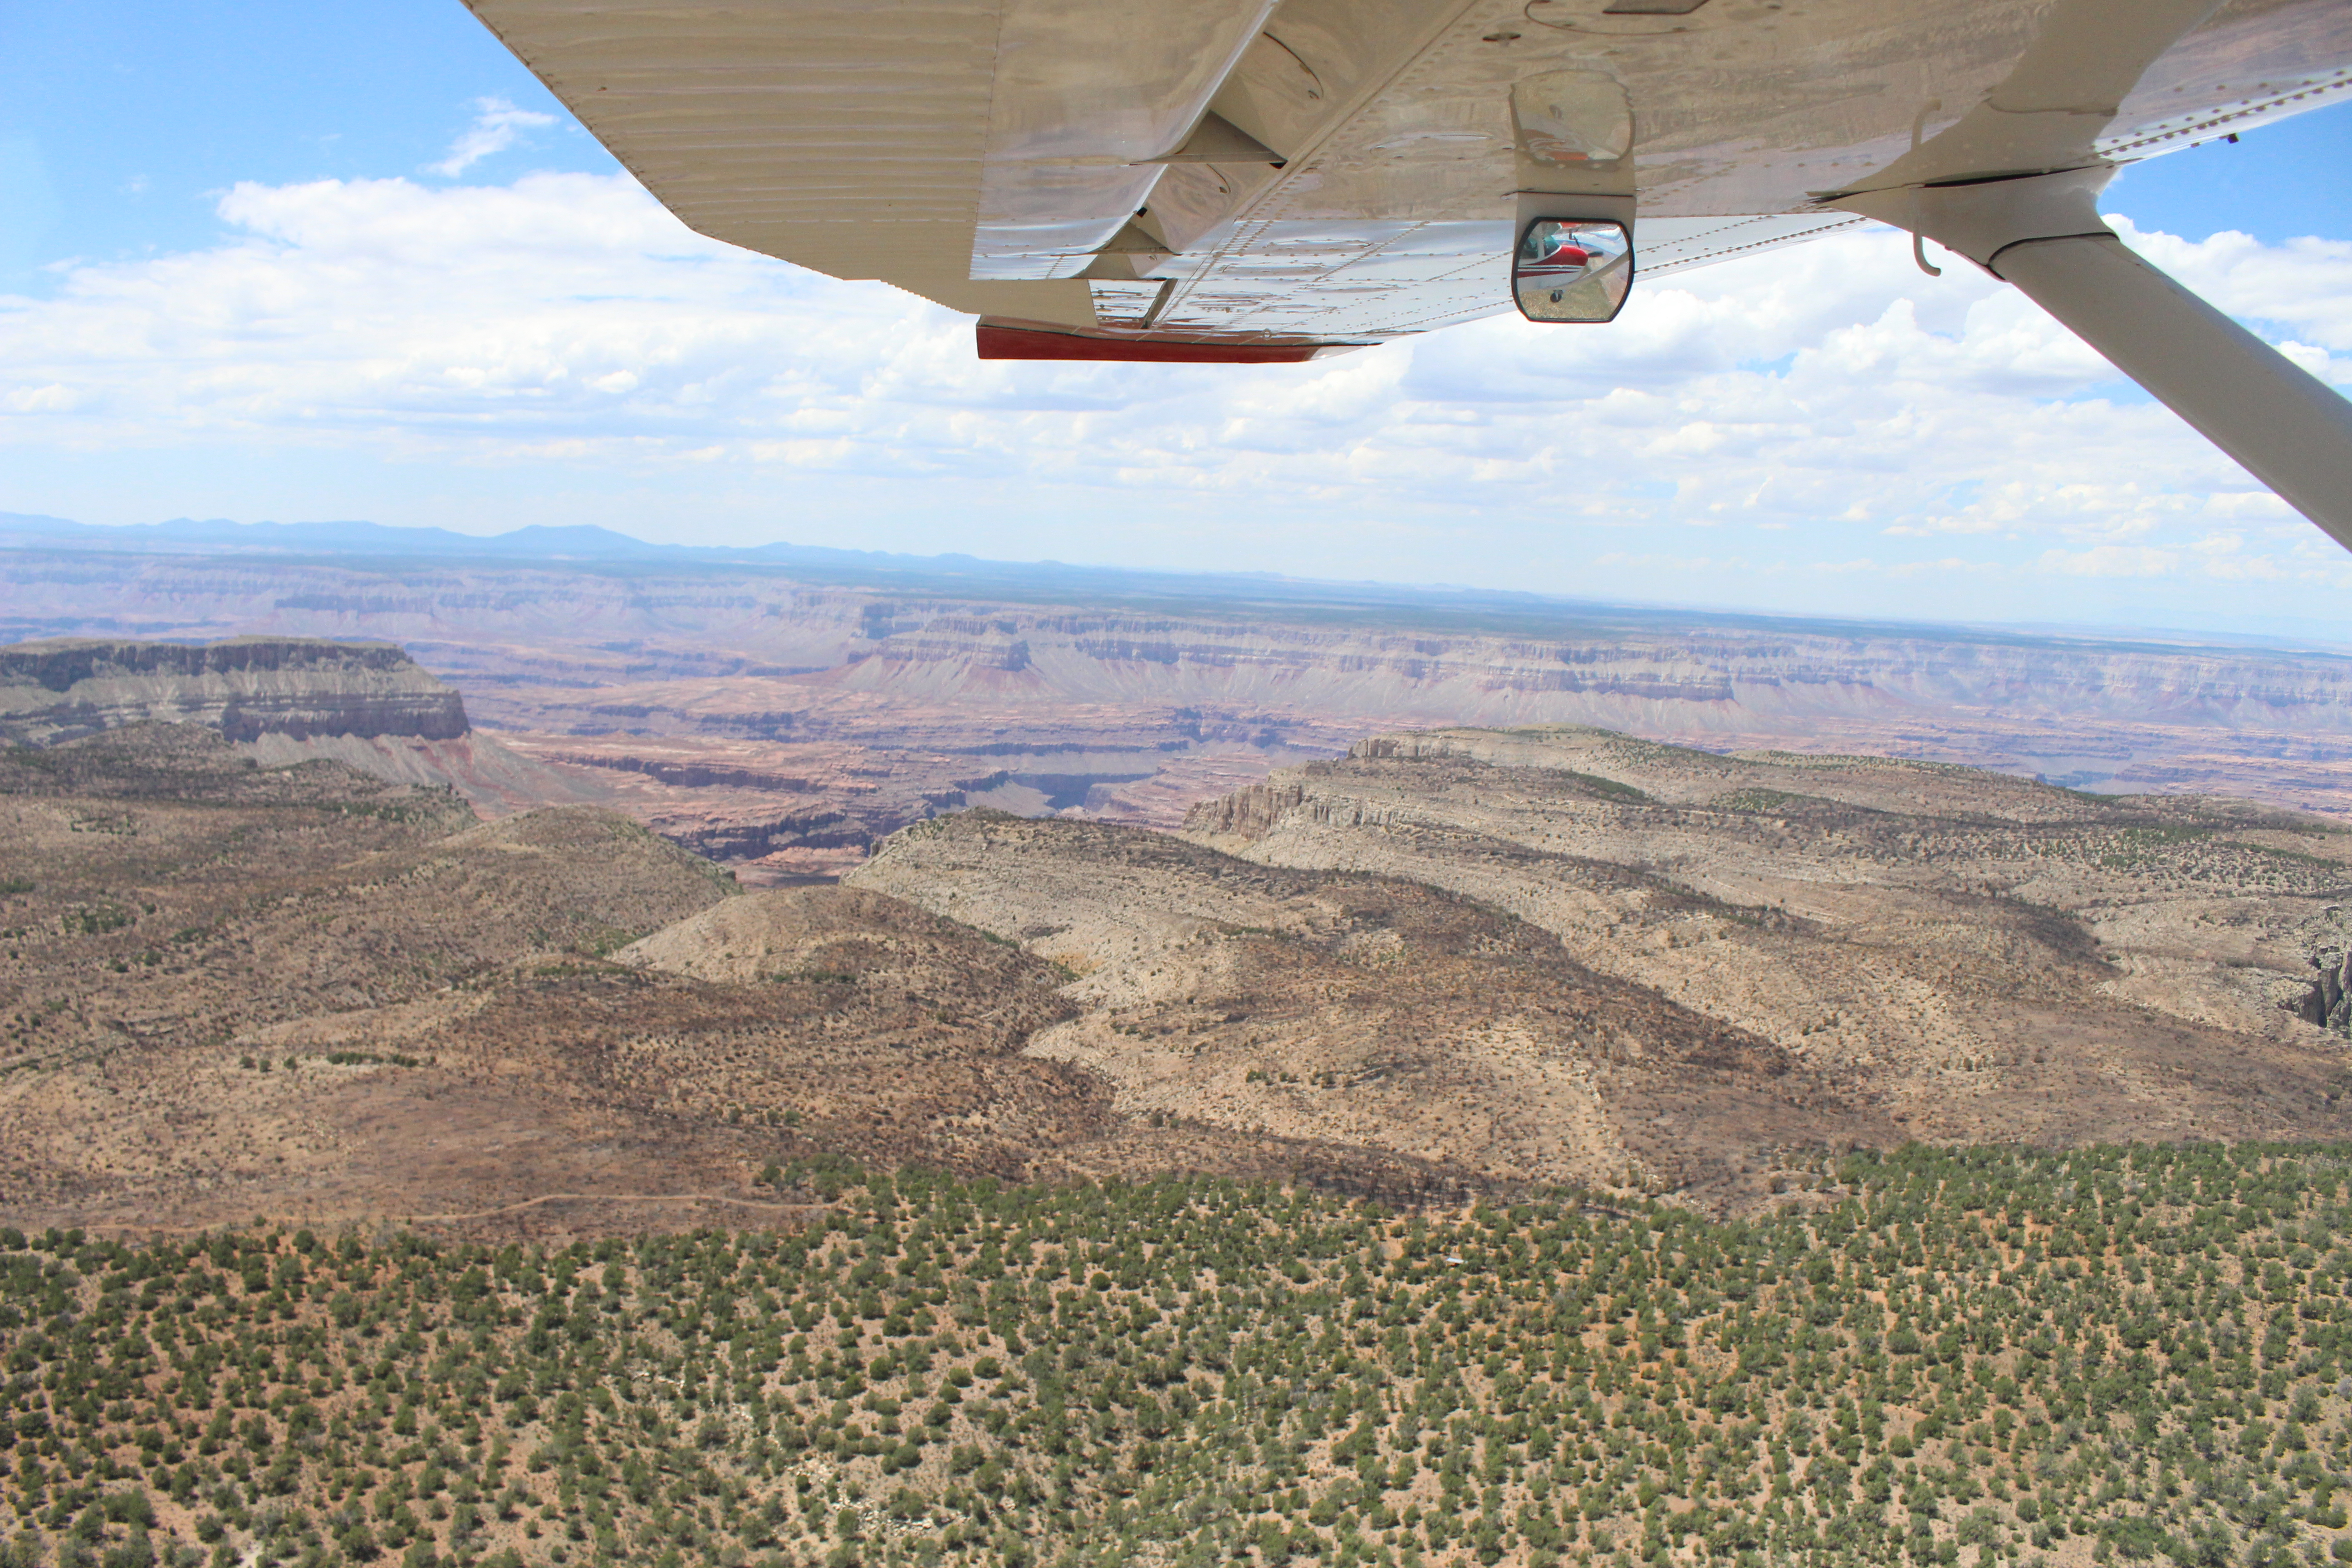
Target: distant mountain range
[
  {"x": 209, "y": 536},
  {"x": 592, "y": 548},
  {"x": 1405, "y": 606}
]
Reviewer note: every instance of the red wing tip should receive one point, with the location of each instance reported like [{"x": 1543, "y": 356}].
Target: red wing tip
[{"x": 1029, "y": 342}]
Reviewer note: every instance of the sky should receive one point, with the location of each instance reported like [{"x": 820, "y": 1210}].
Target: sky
[{"x": 296, "y": 263}]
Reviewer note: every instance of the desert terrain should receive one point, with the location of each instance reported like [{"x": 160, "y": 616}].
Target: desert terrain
[
  {"x": 232, "y": 990},
  {"x": 1453, "y": 963}
]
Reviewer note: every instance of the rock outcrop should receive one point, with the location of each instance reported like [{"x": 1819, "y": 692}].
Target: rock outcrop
[
  {"x": 280, "y": 700},
  {"x": 2329, "y": 1002},
  {"x": 1248, "y": 814},
  {"x": 301, "y": 687}
]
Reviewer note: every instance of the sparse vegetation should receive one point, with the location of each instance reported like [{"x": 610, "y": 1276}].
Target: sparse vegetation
[
  {"x": 93, "y": 919},
  {"x": 1928, "y": 1356},
  {"x": 1605, "y": 789},
  {"x": 815, "y": 977}
]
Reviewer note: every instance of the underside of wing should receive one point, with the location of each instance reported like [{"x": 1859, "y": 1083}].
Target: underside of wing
[{"x": 1280, "y": 179}]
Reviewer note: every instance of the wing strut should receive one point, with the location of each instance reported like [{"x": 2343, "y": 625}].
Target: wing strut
[
  {"x": 2287, "y": 427},
  {"x": 2043, "y": 234}
]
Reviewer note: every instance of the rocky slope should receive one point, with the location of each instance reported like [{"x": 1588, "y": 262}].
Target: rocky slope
[
  {"x": 1982, "y": 958},
  {"x": 228, "y": 990},
  {"x": 1449, "y": 964},
  {"x": 1340, "y": 1012}
]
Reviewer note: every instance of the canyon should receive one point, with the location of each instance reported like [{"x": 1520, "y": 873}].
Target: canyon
[{"x": 784, "y": 716}]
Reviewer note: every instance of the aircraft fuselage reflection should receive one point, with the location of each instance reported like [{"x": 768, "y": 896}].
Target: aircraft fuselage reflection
[{"x": 1572, "y": 270}]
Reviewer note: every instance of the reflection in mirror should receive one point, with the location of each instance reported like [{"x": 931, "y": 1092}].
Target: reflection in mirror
[{"x": 1572, "y": 270}]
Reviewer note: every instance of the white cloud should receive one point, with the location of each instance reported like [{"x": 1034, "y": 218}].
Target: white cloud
[
  {"x": 50, "y": 399},
  {"x": 2111, "y": 560},
  {"x": 1829, "y": 398},
  {"x": 496, "y": 125},
  {"x": 2298, "y": 285}
]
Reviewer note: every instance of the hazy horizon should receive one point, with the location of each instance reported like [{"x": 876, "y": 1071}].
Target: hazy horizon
[{"x": 2321, "y": 637}]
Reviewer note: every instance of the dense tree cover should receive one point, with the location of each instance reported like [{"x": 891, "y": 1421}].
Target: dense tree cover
[{"x": 1933, "y": 1356}]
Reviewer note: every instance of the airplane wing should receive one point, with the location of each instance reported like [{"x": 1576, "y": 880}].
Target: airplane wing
[{"x": 1256, "y": 181}]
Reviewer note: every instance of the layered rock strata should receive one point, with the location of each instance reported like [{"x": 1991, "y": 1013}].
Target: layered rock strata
[
  {"x": 246, "y": 688},
  {"x": 281, "y": 700}
]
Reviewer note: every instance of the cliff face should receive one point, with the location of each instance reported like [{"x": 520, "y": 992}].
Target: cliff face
[
  {"x": 1248, "y": 814},
  {"x": 300, "y": 689}
]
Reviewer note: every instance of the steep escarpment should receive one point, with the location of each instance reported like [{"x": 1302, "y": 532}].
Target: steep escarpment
[
  {"x": 1248, "y": 814},
  {"x": 283, "y": 700},
  {"x": 300, "y": 688},
  {"x": 522, "y": 634}
]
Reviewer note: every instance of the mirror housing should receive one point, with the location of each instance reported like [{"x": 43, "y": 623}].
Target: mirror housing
[{"x": 1572, "y": 270}]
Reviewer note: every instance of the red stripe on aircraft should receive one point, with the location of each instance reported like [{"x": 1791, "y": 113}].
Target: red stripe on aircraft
[{"x": 1017, "y": 342}]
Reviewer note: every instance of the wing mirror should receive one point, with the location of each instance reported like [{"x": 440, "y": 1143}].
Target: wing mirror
[{"x": 1572, "y": 270}]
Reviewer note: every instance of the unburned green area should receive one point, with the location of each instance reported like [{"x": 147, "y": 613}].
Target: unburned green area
[{"x": 1929, "y": 1356}]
